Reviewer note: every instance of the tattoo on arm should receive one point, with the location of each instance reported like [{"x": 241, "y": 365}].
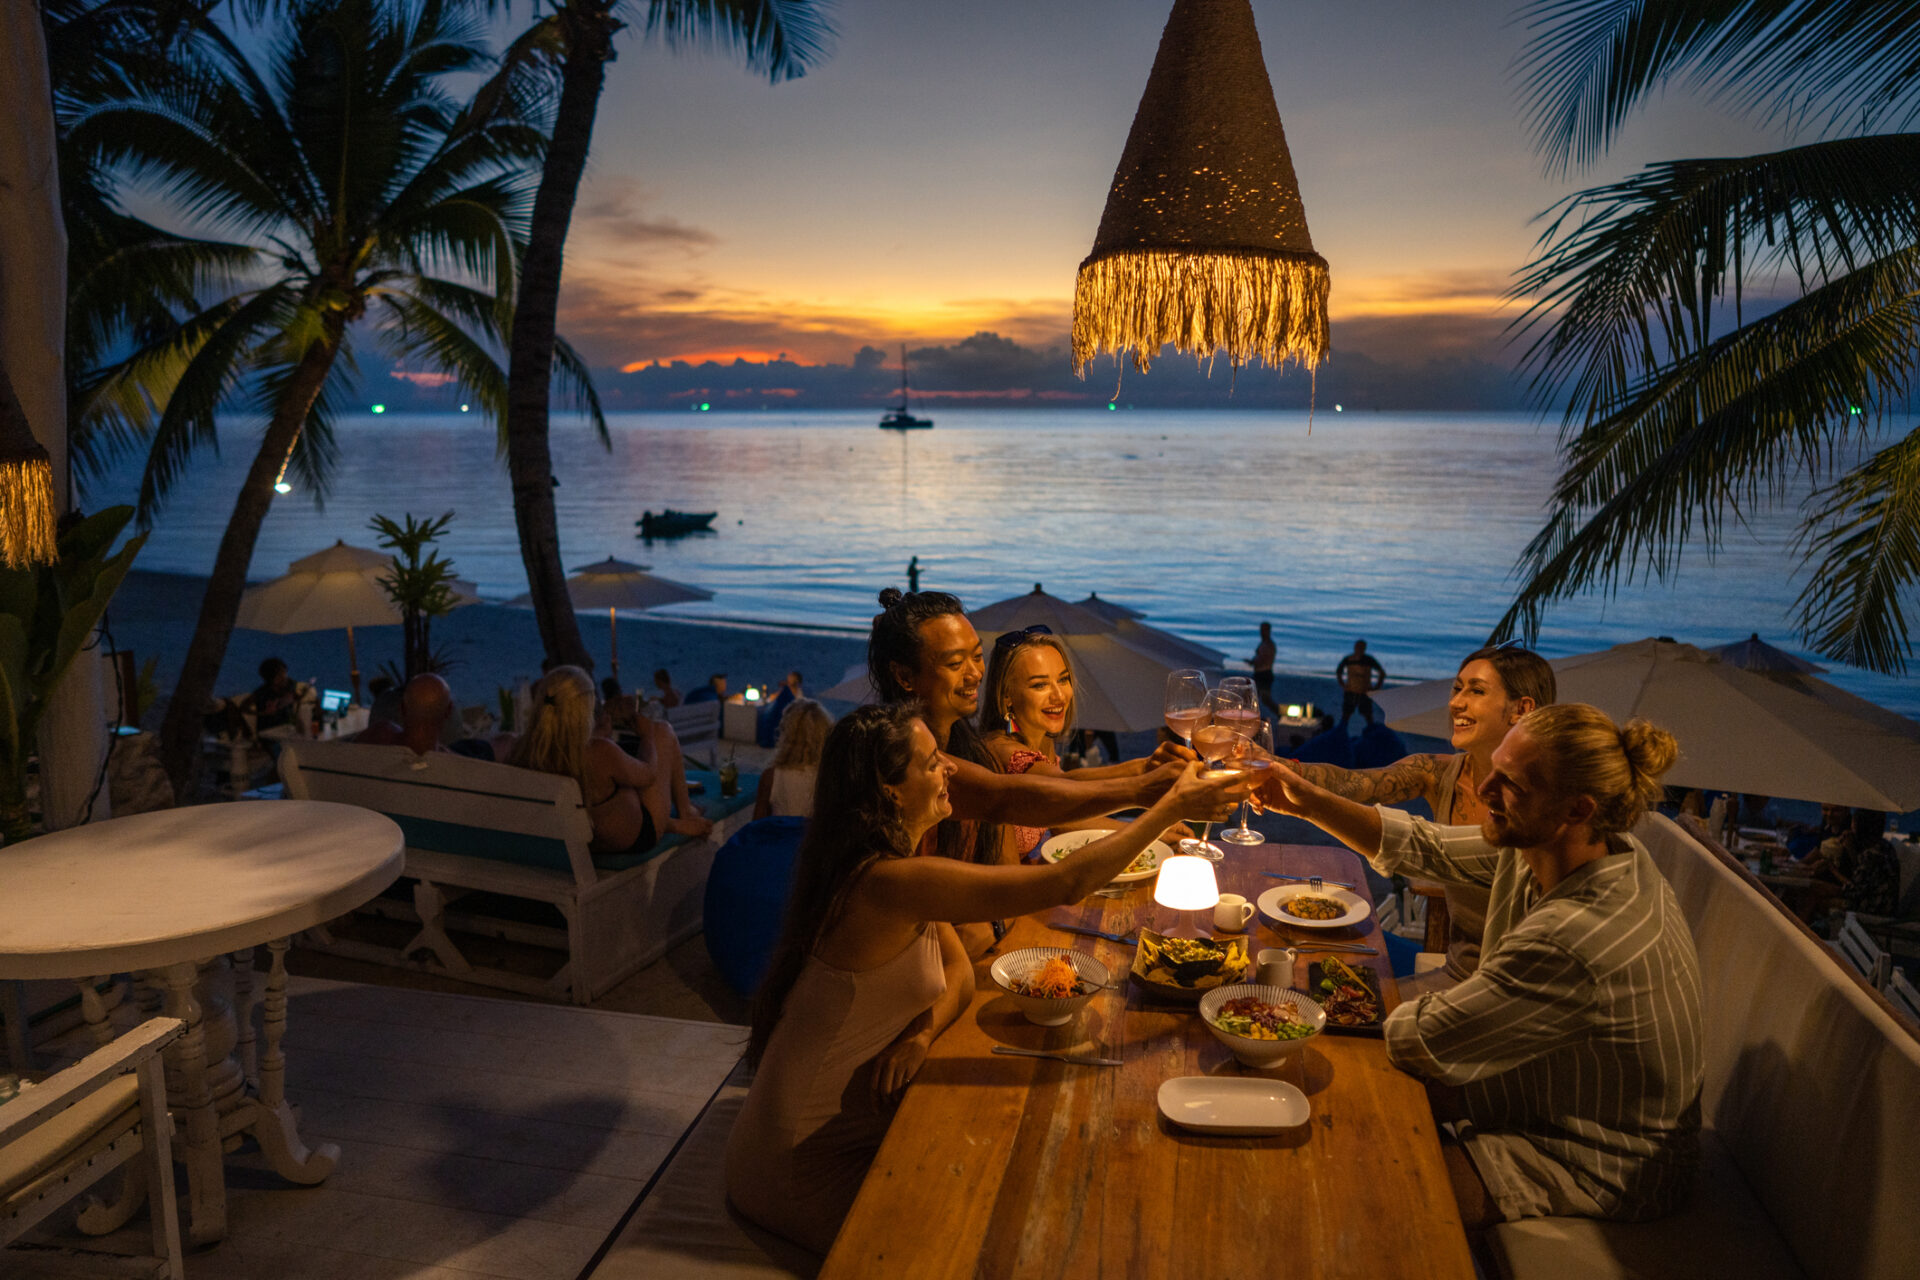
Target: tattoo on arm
[{"x": 1413, "y": 778}]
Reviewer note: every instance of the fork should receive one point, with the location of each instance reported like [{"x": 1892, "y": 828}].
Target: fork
[{"x": 1312, "y": 882}]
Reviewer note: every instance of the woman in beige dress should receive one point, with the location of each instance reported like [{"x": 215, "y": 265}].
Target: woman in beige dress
[{"x": 868, "y": 970}]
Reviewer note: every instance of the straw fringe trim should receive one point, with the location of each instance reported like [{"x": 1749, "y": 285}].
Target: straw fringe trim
[
  {"x": 26, "y": 512},
  {"x": 1257, "y": 304}
]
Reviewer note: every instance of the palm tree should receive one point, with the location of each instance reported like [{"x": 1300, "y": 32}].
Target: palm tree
[
  {"x": 1680, "y": 408},
  {"x": 341, "y": 182},
  {"x": 778, "y": 38}
]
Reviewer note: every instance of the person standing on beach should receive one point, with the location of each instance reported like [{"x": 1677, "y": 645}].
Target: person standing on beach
[
  {"x": 1263, "y": 668},
  {"x": 913, "y": 574},
  {"x": 1359, "y": 674}
]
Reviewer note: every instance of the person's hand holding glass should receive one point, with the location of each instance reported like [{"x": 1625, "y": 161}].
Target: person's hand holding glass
[
  {"x": 1215, "y": 741},
  {"x": 1256, "y": 757}
]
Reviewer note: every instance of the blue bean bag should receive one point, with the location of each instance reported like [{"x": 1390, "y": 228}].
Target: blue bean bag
[
  {"x": 1401, "y": 953},
  {"x": 1378, "y": 746},
  {"x": 1332, "y": 747},
  {"x": 747, "y": 898}
]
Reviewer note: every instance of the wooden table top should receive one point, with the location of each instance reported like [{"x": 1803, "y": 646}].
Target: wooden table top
[
  {"x": 182, "y": 884},
  {"x": 1014, "y": 1167}
]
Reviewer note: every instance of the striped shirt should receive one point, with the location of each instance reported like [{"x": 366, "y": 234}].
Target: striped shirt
[{"x": 1576, "y": 1044}]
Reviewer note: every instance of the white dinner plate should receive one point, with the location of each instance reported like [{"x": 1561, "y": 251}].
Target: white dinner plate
[
  {"x": 1233, "y": 1104},
  {"x": 1356, "y": 913},
  {"x": 1067, "y": 841}
]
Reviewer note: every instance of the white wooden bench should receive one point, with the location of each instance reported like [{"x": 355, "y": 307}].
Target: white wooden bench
[
  {"x": 697, "y": 722},
  {"x": 1810, "y": 1107},
  {"x": 472, "y": 825}
]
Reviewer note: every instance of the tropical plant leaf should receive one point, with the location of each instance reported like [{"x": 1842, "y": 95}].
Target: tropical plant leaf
[
  {"x": 780, "y": 39},
  {"x": 1863, "y": 540}
]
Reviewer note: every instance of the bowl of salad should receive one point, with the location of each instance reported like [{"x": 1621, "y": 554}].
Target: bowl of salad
[
  {"x": 1049, "y": 984},
  {"x": 1261, "y": 1024}
]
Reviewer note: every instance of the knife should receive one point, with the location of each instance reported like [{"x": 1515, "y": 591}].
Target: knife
[
  {"x": 1058, "y": 1057},
  {"x": 1123, "y": 939}
]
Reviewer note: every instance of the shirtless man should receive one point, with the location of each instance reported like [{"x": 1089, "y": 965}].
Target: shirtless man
[
  {"x": 1263, "y": 668},
  {"x": 1359, "y": 674}
]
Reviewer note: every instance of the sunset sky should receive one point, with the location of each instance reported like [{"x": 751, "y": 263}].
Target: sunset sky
[{"x": 944, "y": 170}]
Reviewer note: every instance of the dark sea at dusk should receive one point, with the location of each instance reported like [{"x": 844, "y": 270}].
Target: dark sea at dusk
[{"x": 1399, "y": 527}]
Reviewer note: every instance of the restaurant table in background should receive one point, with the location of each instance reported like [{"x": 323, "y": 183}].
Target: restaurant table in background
[
  {"x": 1007, "y": 1167},
  {"x": 173, "y": 894}
]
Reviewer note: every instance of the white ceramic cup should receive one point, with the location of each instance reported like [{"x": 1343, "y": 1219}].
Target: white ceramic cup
[
  {"x": 1232, "y": 913},
  {"x": 1275, "y": 967}
]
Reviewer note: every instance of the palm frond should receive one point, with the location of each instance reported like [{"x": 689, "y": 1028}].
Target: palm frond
[
  {"x": 780, "y": 39},
  {"x": 420, "y": 331},
  {"x": 1590, "y": 63},
  {"x": 573, "y": 385},
  {"x": 1863, "y": 542}
]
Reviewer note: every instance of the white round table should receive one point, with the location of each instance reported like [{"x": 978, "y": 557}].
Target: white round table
[{"x": 164, "y": 892}]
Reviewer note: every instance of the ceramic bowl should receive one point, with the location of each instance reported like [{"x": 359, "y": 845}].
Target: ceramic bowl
[
  {"x": 1015, "y": 966},
  {"x": 1260, "y": 1053}
]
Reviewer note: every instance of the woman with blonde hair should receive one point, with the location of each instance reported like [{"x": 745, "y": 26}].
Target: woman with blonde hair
[
  {"x": 786, "y": 787},
  {"x": 627, "y": 800}
]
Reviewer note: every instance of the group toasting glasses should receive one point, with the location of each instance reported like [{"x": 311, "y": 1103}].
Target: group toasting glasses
[{"x": 1219, "y": 724}]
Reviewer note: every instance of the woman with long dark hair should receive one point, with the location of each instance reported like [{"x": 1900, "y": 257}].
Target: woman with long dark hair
[{"x": 868, "y": 971}]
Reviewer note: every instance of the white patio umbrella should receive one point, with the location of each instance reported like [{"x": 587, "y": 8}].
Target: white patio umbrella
[
  {"x": 615, "y": 584},
  {"x": 1128, "y": 626},
  {"x": 1108, "y": 609},
  {"x": 330, "y": 589},
  {"x": 853, "y": 687},
  {"x": 1738, "y": 730},
  {"x": 1120, "y": 678},
  {"x": 1755, "y": 654}
]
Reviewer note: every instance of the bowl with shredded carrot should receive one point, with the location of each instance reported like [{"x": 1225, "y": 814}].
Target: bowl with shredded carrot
[{"x": 1049, "y": 984}]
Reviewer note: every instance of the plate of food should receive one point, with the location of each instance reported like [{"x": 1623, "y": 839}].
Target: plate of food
[
  {"x": 1187, "y": 968},
  {"x": 1050, "y": 984},
  {"x": 1261, "y": 1024},
  {"x": 1144, "y": 867},
  {"x": 1349, "y": 993},
  {"x": 1306, "y": 907}
]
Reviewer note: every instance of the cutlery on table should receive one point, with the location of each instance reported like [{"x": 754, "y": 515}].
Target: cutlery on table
[
  {"x": 1058, "y": 1057},
  {"x": 1124, "y": 939},
  {"x": 1347, "y": 948},
  {"x": 1308, "y": 879}
]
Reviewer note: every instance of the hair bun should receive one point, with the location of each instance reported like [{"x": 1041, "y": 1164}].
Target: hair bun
[
  {"x": 1650, "y": 750},
  {"x": 891, "y": 596}
]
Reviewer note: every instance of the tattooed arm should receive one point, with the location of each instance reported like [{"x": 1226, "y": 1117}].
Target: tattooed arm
[{"x": 1414, "y": 778}]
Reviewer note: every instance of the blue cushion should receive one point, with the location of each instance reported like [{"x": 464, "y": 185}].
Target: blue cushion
[
  {"x": 432, "y": 834},
  {"x": 1401, "y": 953},
  {"x": 747, "y": 898},
  {"x": 1332, "y": 747},
  {"x": 1378, "y": 746}
]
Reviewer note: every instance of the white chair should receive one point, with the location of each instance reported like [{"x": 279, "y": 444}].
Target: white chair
[
  {"x": 695, "y": 723},
  {"x": 61, "y": 1137},
  {"x": 1862, "y": 952},
  {"x": 1903, "y": 994}
]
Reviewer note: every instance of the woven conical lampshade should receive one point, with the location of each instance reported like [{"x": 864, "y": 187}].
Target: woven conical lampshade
[
  {"x": 27, "y": 519},
  {"x": 1204, "y": 241}
]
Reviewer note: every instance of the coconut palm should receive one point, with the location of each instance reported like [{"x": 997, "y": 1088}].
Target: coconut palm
[
  {"x": 337, "y": 181},
  {"x": 571, "y": 45},
  {"x": 1682, "y": 407}
]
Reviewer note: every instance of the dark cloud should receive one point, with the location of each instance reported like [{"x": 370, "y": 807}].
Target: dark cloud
[{"x": 612, "y": 217}]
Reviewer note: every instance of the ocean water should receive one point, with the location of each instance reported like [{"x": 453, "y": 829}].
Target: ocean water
[{"x": 1401, "y": 528}]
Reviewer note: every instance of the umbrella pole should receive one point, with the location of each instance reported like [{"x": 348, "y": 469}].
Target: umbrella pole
[
  {"x": 353, "y": 665},
  {"x": 613, "y": 626}
]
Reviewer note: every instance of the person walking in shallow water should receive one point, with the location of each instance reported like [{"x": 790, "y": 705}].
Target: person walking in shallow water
[
  {"x": 1359, "y": 674},
  {"x": 1263, "y": 668},
  {"x": 913, "y": 574}
]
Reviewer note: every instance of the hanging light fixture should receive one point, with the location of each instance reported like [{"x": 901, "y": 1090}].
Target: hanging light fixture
[
  {"x": 27, "y": 520},
  {"x": 1204, "y": 241}
]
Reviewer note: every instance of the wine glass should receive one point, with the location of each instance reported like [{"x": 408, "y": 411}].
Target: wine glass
[
  {"x": 1215, "y": 741},
  {"x": 1186, "y": 705},
  {"x": 1257, "y": 760},
  {"x": 1242, "y": 685},
  {"x": 1244, "y": 718}
]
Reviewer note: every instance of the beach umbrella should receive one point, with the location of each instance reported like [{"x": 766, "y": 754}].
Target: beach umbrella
[
  {"x": 1738, "y": 730},
  {"x": 1108, "y": 609},
  {"x": 328, "y": 590},
  {"x": 615, "y": 584},
  {"x": 1120, "y": 678},
  {"x": 1755, "y": 654},
  {"x": 853, "y": 687},
  {"x": 1137, "y": 634}
]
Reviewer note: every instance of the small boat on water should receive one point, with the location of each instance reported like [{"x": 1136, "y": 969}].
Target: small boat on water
[
  {"x": 900, "y": 416},
  {"x": 671, "y": 523}
]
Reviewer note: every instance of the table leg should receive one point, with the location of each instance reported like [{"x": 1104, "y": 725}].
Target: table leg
[
  {"x": 206, "y": 1173},
  {"x": 274, "y": 1126},
  {"x": 243, "y": 1016}
]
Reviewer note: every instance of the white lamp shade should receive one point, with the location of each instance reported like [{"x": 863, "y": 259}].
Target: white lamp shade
[{"x": 1186, "y": 884}]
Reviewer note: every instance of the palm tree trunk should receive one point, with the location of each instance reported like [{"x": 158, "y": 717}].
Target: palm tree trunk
[
  {"x": 590, "y": 31},
  {"x": 180, "y": 732}
]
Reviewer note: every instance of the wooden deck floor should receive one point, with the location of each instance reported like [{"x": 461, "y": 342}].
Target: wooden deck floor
[{"x": 479, "y": 1136}]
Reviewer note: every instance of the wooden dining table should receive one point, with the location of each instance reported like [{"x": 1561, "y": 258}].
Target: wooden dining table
[{"x": 1000, "y": 1166}]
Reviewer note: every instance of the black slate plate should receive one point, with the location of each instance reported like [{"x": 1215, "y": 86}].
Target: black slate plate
[{"x": 1369, "y": 975}]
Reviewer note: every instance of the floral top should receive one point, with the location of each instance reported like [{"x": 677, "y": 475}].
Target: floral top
[{"x": 1025, "y": 839}]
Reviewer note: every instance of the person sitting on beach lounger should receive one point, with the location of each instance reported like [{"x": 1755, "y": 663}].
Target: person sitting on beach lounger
[
  {"x": 1571, "y": 1061},
  {"x": 649, "y": 740},
  {"x": 1493, "y": 688},
  {"x": 868, "y": 970},
  {"x": 714, "y": 690},
  {"x": 628, "y": 800},
  {"x": 922, "y": 650},
  {"x": 786, "y": 785}
]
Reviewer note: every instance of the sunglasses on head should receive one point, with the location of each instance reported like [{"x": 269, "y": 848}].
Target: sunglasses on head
[{"x": 1008, "y": 639}]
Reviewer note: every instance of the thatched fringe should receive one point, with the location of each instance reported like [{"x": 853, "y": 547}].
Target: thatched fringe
[
  {"x": 26, "y": 511},
  {"x": 1247, "y": 304}
]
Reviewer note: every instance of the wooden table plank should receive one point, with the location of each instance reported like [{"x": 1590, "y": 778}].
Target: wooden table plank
[{"x": 1018, "y": 1167}]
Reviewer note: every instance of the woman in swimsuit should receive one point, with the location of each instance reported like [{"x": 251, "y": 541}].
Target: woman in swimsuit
[
  {"x": 868, "y": 970},
  {"x": 1027, "y": 705},
  {"x": 627, "y": 800}
]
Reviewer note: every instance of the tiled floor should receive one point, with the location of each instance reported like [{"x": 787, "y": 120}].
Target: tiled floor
[{"x": 479, "y": 1136}]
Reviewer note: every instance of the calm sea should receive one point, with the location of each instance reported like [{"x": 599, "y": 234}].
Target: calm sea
[{"x": 1401, "y": 528}]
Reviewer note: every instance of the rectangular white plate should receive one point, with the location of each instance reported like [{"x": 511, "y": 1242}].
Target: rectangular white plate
[{"x": 1231, "y": 1105}]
